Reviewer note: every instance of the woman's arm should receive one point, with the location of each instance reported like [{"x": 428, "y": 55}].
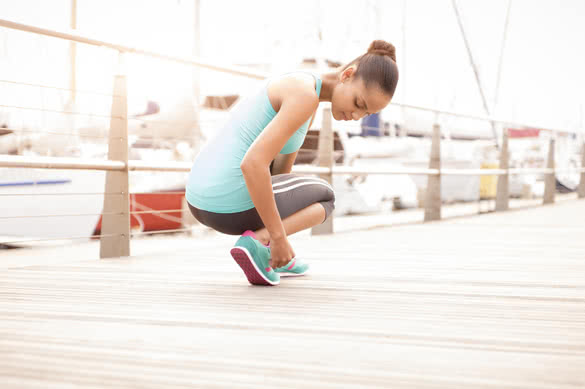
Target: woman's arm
[
  {"x": 283, "y": 163},
  {"x": 297, "y": 106}
]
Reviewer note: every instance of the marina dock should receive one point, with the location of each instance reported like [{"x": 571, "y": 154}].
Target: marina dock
[{"x": 479, "y": 302}]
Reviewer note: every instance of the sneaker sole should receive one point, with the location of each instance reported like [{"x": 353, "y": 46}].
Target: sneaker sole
[
  {"x": 291, "y": 274},
  {"x": 247, "y": 264}
]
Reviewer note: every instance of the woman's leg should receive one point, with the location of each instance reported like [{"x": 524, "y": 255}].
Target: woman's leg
[
  {"x": 299, "y": 221},
  {"x": 303, "y": 202}
]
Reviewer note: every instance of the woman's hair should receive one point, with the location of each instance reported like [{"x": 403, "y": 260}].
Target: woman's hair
[{"x": 378, "y": 65}]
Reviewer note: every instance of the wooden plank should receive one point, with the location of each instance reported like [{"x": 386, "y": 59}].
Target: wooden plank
[{"x": 481, "y": 302}]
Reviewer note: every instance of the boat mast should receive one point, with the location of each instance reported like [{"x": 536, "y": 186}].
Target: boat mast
[
  {"x": 504, "y": 38},
  {"x": 403, "y": 65},
  {"x": 474, "y": 67},
  {"x": 73, "y": 55},
  {"x": 196, "y": 77}
]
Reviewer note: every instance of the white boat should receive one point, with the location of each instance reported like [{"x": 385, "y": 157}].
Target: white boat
[
  {"x": 41, "y": 204},
  {"x": 31, "y": 198}
]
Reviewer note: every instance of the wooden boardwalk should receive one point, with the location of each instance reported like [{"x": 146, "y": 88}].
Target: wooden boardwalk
[{"x": 495, "y": 301}]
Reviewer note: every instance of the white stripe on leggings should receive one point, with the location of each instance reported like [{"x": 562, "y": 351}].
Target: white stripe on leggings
[
  {"x": 301, "y": 184},
  {"x": 316, "y": 179}
]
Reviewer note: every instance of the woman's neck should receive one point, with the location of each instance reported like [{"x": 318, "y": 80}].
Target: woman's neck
[{"x": 328, "y": 82}]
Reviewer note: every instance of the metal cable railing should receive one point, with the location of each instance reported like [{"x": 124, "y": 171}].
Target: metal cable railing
[
  {"x": 161, "y": 232},
  {"x": 85, "y": 135},
  {"x": 62, "y": 112},
  {"x": 58, "y": 88},
  {"x": 85, "y": 194},
  {"x": 93, "y": 214},
  {"x": 20, "y": 241},
  {"x": 76, "y": 36},
  {"x": 155, "y": 211},
  {"x": 170, "y": 166},
  {"x": 59, "y": 194},
  {"x": 64, "y": 215},
  {"x": 27, "y": 131},
  {"x": 118, "y": 135},
  {"x": 144, "y": 119}
]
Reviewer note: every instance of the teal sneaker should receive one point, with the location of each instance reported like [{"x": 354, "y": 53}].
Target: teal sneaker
[
  {"x": 294, "y": 268},
  {"x": 254, "y": 258}
]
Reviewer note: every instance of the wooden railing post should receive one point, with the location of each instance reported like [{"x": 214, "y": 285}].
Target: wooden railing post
[
  {"x": 433, "y": 195},
  {"x": 581, "y": 189},
  {"x": 325, "y": 159},
  {"x": 116, "y": 218},
  {"x": 503, "y": 188},
  {"x": 549, "y": 179}
]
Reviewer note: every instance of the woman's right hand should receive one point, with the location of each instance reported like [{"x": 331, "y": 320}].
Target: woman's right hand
[{"x": 281, "y": 252}]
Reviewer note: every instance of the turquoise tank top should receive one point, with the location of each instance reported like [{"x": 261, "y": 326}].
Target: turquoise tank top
[{"x": 216, "y": 183}]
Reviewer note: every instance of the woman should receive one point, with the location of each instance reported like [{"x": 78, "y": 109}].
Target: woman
[{"x": 230, "y": 186}]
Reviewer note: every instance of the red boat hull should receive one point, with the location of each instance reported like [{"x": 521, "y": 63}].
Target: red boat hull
[{"x": 152, "y": 221}]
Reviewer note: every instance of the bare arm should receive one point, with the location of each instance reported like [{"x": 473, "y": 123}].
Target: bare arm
[
  {"x": 297, "y": 106},
  {"x": 283, "y": 163}
]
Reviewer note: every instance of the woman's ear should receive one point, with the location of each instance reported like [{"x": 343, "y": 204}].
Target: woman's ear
[{"x": 347, "y": 73}]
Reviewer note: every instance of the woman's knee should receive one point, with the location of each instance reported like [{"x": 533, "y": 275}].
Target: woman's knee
[
  {"x": 329, "y": 207},
  {"x": 329, "y": 202}
]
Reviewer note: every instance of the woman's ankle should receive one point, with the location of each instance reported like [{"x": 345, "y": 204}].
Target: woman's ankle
[{"x": 263, "y": 236}]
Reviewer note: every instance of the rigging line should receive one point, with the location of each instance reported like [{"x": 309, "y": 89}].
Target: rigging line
[
  {"x": 504, "y": 39},
  {"x": 475, "y": 72}
]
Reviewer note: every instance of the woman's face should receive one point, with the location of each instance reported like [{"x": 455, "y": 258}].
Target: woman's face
[{"x": 352, "y": 101}]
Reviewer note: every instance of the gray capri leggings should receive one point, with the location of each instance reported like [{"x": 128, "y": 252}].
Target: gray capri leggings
[{"x": 292, "y": 193}]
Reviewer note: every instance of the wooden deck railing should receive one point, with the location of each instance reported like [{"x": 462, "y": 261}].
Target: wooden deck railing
[{"x": 115, "y": 240}]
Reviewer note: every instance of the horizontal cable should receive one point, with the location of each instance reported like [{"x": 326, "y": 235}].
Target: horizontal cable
[
  {"x": 155, "y": 211},
  {"x": 160, "y": 166},
  {"x": 73, "y": 214},
  {"x": 157, "y": 138},
  {"x": 158, "y": 193},
  {"x": 95, "y": 214},
  {"x": 478, "y": 117},
  {"x": 63, "y": 112},
  {"x": 570, "y": 170},
  {"x": 60, "y": 88},
  {"x": 530, "y": 170},
  {"x": 161, "y": 215},
  {"x": 60, "y": 163},
  {"x": 473, "y": 172},
  {"x": 139, "y": 119},
  {"x": 60, "y": 194},
  {"x": 309, "y": 169},
  {"x": 104, "y": 136},
  {"x": 18, "y": 130},
  {"x": 160, "y": 232},
  {"x": 64, "y": 238},
  {"x": 77, "y": 36},
  {"x": 171, "y": 166}
]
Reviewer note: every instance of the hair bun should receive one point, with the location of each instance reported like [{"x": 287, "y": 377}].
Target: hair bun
[{"x": 381, "y": 47}]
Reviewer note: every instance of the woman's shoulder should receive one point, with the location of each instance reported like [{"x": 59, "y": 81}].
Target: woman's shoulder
[
  {"x": 291, "y": 85},
  {"x": 297, "y": 80}
]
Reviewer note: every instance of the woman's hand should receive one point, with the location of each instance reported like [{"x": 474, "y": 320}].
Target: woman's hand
[{"x": 281, "y": 252}]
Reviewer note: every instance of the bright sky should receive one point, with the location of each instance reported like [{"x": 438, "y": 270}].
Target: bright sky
[{"x": 542, "y": 78}]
